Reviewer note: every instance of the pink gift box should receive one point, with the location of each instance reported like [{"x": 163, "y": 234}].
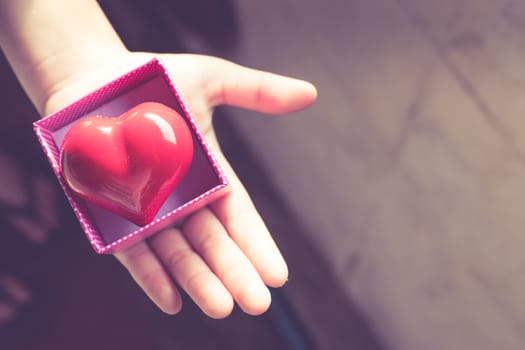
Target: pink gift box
[{"x": 204, "y": 182}]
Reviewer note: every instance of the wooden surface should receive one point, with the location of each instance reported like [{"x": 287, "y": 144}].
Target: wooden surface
[{"x": 408, "y": 172}]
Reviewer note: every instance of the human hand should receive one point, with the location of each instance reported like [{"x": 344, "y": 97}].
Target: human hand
[{"x": 222, "y": 253}]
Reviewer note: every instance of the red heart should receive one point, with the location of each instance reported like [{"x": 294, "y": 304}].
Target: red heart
[{"x": 128, "y": 165}]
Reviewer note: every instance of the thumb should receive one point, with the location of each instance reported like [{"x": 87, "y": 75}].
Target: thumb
[{"x": 235, "y": 85}]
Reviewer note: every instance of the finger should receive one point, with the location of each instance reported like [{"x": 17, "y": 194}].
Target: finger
[
  {"x": 192, "y": 274},
  {"x": 148, "y": 272},
  {"x": 209, "y": 238},
  {"x": 235, "y": 85},
  {"x": 246, "y": 227}
]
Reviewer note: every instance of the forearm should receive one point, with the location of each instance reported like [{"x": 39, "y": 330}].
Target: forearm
[{"x": 48, "y": 41}]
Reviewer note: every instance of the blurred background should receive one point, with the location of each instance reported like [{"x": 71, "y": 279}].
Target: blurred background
[{"x": 397, "y": 198}]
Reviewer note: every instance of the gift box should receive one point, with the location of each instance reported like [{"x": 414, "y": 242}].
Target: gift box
[{"x": 204, "y": 182}]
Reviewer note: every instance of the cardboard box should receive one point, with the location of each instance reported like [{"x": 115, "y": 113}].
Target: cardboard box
[{"x": 204, "y": 182}]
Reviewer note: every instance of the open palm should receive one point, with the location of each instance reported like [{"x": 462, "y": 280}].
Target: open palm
[{"x": 222, "y": 253}]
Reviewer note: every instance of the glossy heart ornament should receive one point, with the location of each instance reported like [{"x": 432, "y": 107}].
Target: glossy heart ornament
[{"x": 128, "y": 165}]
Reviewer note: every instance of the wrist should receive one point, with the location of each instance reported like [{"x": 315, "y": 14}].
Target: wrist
[
  {"x": 74, "y": 75},
  {"x": 105, "y": 67}
]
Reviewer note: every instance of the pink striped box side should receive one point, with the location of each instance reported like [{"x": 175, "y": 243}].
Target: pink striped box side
[{"x": 127, "y": 88}]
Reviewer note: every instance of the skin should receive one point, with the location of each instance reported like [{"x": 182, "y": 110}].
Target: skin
[{"x": 222, "y": 254}]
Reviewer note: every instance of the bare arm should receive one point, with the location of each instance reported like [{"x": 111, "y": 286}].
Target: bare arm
[{"x": 48, "y": 41}]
